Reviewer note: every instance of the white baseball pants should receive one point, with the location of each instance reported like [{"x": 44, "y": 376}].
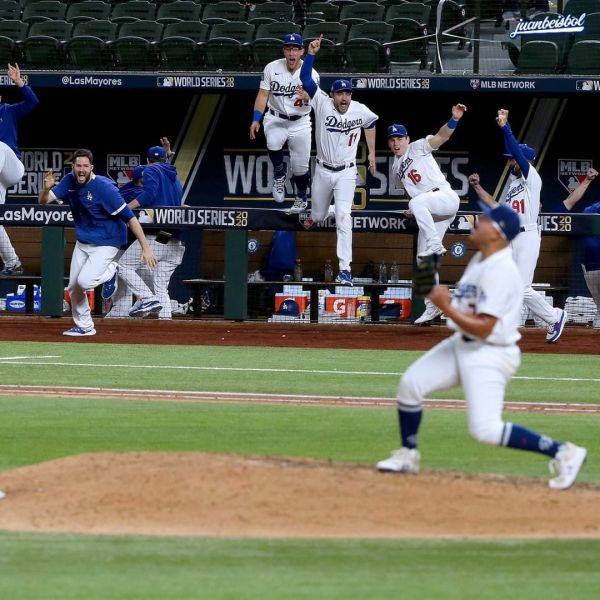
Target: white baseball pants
[
  {"x": 340, "y": 186},
  {"x": 526, "y": 249},
  {"x": 89, "y": 269},
  {"x": 481, "y": 369},
  {"x": 592, "y": 279},
  {"x": 11, "y": 172},
  {"x": 297, "y": 135}
]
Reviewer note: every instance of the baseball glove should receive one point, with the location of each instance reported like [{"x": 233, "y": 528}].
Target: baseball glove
[{"x": 425, "y": 274}]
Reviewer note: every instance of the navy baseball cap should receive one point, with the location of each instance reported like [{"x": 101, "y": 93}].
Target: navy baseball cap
[
  {"x": 137, "y": 173},
  {"x": 293, "y": 39},
  {"x": 157, "y": 152},
  {"x": 289, "y": 307},
  {"x": 396, "y": 131},
  {"x": 341, "y": 85},
  {"x": 528, "y": 152},
  {"x": 505, "y": 219}
]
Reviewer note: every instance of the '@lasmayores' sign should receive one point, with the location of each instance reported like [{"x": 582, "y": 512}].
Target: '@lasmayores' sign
[{"x": 550, "y": 24}]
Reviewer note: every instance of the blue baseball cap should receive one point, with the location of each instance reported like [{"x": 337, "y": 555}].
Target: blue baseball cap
[
  {"x": 137, "y": 173},
  {"x": 528, "y": 152},
  {"x": 505, "y": 219},
  {"x": 157, "y": 152},
  {"x": 396, "y": 131},
  {"x": 341, "y": 85},
  {"x": 293, "y": 39},
  {"x": 289, "y": 307}
]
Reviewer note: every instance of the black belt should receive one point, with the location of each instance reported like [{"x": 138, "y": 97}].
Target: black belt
[
  {"x": 435, "y": 190},
  {"x": 521, "y": 229},
  {"x": 466, "y": 338},
  {"x": 334, "y": 168},
  {"x": 285, "y": 117}
]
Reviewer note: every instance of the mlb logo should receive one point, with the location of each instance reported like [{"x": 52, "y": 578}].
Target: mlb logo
[
  {"x": 475, "y": 83},
  {"x": 119, "y": 167},
  {"x": 571, "y": 172},
  {"x": 306, "y": 220}
]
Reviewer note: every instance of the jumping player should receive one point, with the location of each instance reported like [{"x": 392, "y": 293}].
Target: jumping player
[
  {"x": 338, "y": 121},
  {"x": 524, "y": 198},
  {"x": 101, "y": 219},
  {"x": 481, "y": 356},
  {"x": 11, "y": 167},
  {"x": 287, "y": 120},
  {"x": 433, "y": 203}
]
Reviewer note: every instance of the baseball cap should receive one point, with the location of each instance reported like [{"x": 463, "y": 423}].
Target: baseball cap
[
  {"x": 340, "y": 85},
  {"x": 528, "y": 152},
  {"x": 505, "y": 219},
  {"x": 293, "y": 39},
  {"x": 157, "y": 152},
  {"x": 289, "y": 307},
  {"x": 137, "y": 173},
  {"x": 396, "y": 131}
]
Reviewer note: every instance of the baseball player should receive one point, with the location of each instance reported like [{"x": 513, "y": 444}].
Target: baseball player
[
  {"x": 591, "y": 244},
  {"x": 160, "y": 188},
  {"x": 101, "y": 219},
  {"x": 286, "y": 120},
  {"x": 338, "y": 123},
  {"x": 523, "y": 197},
  {"x": 433, "y": 203},
  {"x": 481, "y": 356},
  {"x": 11, "y": 167}
]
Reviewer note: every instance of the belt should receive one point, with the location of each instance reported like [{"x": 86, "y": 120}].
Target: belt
[
  {"x": 529, "y": 227},
  {"x": 435, "y": 190},
  {"x": 466, "y": 338},
  {"x": 335, "y": 168},
  {"x": 285, "y": 117}
]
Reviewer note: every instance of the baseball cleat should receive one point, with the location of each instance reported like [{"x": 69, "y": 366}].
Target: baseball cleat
[
  {"x": 566, "y": 466},
  {"x": 345, "y": 278},
  {"x": 405, "y": 460},
  {"x": 300, "y": 205},
  {"x": 143, "y": 308},
  {"x": 79, "y": 332},
  {"x": 555, "y": 331},
  {"x": 10, "y": 271},
  {"x": 109, "y": 288},
  {"x": 439, "y": 250},
  {"x": 279, "y": 188},
  {"x": 431, "y": 313}
]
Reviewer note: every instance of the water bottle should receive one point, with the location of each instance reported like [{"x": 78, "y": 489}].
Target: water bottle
[
  {"x": 394, "y": 273},
  {"x": 298, "y": 270},
  {"x": 328, "y": 271},
  {"x": 383, "y": 272}
]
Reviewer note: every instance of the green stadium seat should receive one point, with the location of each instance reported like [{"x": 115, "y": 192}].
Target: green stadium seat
[
  {"x": 88, "y": 52},
  {"x": 330, "y": 56},
  {"x": 364, "y": 55},
  {"x": 336, "y": 32},
  {"x": 578, "y": 7},
  {"x": 270, "y": 12},
  {"x": 584, "y": 58},
  {"x": 592, "y": 28},
  {"x": 324, "y": 10},
  {"x": 132, "y": 11},
  {"x": 277, "y": 30},
  {"x": 180, "y": 53},
  {"x": 408, "y": 52},
  {"x": 411, "y": 10},
  {"x": 538, "y": 58},
  {"x": 379, "y": 31},
  {"x": 10, "y": 52},
  {"x": 241, "y": 31},
  {"x": 194, "y": 30},
  {"x": 562, "y": 41},
  {"x": 221, "y": 12},
  {"x": 181, "y": 10},
  {"x": 149, "y": 30},
  {"x": 61, "y": 30},
  {"x": 265, "y": 50},
  {"x": 10, "y": 9},
  {"x": 14, "y": 29},
  {"x": 226, "y": 54},
  {"x": 367, "y": 11},
  {"x": 105, "y": 30},
  {"x": 86, "y": 11},
  {"x": 44, "y": 10},
  {"x": 453, "y": 13},
  {"x": 132, "y": 53}
]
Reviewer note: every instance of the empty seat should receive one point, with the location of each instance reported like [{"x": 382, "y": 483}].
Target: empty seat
[
  {"x": 149, "y": 30},
  {"x": 404, "y": 48},
  {"x": 181, "y": 10},
  {"x": 276, "y": 30},
  {"x": 411, "y": 10},
  {"x": 241, "y": 31},
  {"x": 14, "y": 29},
  {"x": 538, "y": 58},
  {"x": 368, "y": 11},
  {"x": 225, "y": 53},
  {"x": 378, "y": 31},
  {"x": 44, "y": 10},
  {"x": 88, "y": 52},
  {"x": 578, "y": 7},
  {"x": 562, "y": 41},
  {"x": 44, "y": 46},
  {"x": 220, "y": 12},
  {"x": 336, "y": 32},
  {"x": 365, "y": 55},
  {"x": 105, "y": 30},
  {"x": 178, "y": 53},
  {"x": 266, "y": 50},
  {"x": 10, "y": 9},
  {"x": 323, "y": 10},
  {"x": 132, "y": 10},
  {"x": 584, "y": 58},
  {"x": 132, "y": 53},
  {"x": 592, "y": 28},
  {"x": 269, "y": 12},
  {"x": 86, "y": 11},
  {"x": 61, "y": 30},
  {"x": 194, "y": 30},
  {"x": 330, "y": 57}
]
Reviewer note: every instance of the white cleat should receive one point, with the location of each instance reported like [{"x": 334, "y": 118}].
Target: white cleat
[
  {"x": 279, "y": 188},
  {"x": 431, "y": 313},
  {"x": 566, "y": 466},
  {"x": 405, "y": 460},
  {"x": 439, "y": 250}
]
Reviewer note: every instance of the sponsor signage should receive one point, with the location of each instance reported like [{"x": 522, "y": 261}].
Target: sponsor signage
[
  {"x": 572, "y": 171},
  {"x": 550, "y": 25}
]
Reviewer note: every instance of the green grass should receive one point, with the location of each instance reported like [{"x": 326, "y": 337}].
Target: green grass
[{"x": 64, "y": 567}]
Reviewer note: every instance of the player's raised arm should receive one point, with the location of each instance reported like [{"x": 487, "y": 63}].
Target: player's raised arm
[
  {"x": 576, "y": 195},
  {"x": 512, "y": 146},
  {"x": 308, "y": 82},
  {"x": 446, "y": 130},
  {"x": 481, "y": 193}
]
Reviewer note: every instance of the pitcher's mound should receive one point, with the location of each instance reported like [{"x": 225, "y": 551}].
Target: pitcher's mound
[{"x": 200, "y": 494}]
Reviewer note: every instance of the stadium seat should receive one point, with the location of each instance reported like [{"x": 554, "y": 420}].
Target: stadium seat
[
  {"x": 14, "y": 29},
  {"x": 105, "y": 30},
  {"x": 408, "y": 52},
  {"x": 10, "y": 9},
  {"x": 276, "y": 30},
  {"x": 221, "y": 12},
  {"x": 86, "y": 11},
  {"x": 538, "y": 58},
  {"x": 453, "y": 13},
  {"x": 578, "y": 7},
  {"x": 379, "y": 31},
  {"x": 330, "y": 56},
  {"x": 132, "y": 53},
  {"x": 44, "y": 10},
  {"x": 194, "y": 30},
  {"x": 269, "y": 12},
  {"x": 44, "y": 46},
  {"x": 61, "y": 30},
  {"x": 133, "y": 10},
  {"x": 562, "y": 41},
  {"x": 336, "y": 32},
  {"x": 584, "y": 58},
  {"x": 149, "y": 30},
  {"x": 181, "y": 10},
  {"x": 592, "y": 28},
  {"x": 323, "y": 10},
  {"x": 411, "y": 10},
  {"x": 364, "y": 55},
  {"x": 180, "y": 53},
  {"x": 89, "y": 52},
  {"x": 226, "y": 54},
  {"x": 9, "y": 51},
  {"x": 368, "y": 11},
  {"x": 241, "y": 31}
]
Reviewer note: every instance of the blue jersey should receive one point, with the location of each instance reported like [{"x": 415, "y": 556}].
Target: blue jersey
[
  {"x": 10, "y": 115},
  {"x": 130, "y": 191},
  {"x": 98, "y": 209}
]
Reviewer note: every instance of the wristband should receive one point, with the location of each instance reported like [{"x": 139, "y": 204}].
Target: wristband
[
  {"x": 452, "y": 123},
  {"x": 256, "y": 116}
]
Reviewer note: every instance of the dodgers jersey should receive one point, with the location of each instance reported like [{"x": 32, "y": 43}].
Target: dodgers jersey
[
  {"x": 337, "y": 135},
  {"x": 94, "y": 206},
  {"x": 10, "y": 115},
  {"x": 417, "y": 171},
  {"x": 523, "y": 197},
  {"x": 282, "y": 84},
  {"x": 492, "y": 286}
]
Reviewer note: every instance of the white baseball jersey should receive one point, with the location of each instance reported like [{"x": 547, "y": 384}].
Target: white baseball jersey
[
  {"x": 337, "y": 135},
  {"x": 492, "y": 286},
  {"x": 282, "y": 84},
  {"x": 523, "y": 197},
  {"x": 417, "y": 171}
]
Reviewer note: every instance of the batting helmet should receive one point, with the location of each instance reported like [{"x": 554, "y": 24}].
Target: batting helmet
[{"x": 289, "y": 307}]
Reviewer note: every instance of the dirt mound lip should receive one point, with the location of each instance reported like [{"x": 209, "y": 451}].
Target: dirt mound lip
[{"x": 201, "y": 494}]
